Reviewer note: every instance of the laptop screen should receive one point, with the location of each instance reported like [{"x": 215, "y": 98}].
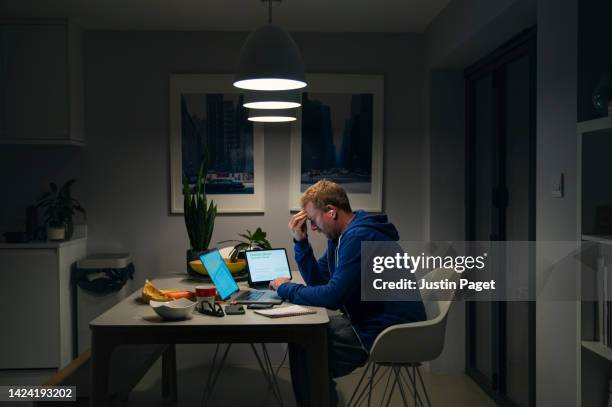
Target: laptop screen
[
  {"x": 266, "y": 265},
  {"x": 219, "y": 273}
]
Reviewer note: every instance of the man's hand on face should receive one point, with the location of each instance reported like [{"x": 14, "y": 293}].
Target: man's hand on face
[
  {"x": 274, "y": 284},
  {"x": 297, "y": 226}
]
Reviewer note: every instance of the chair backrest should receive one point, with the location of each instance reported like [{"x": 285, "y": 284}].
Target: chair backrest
[
  {"x": 435, "y": 300},
  {"x": 418, "y": 341}
]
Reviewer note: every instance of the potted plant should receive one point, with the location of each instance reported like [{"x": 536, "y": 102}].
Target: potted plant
[
  {"x": 255, "y": 240},
  {"x": 199, "y": 217},
  {"x": 59, "y": 206}
]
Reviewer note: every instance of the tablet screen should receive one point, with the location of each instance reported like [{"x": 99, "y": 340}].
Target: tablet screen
[{"x": 266, "y": 265}]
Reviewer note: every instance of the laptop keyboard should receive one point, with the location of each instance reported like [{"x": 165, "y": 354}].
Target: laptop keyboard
[{"x": 249, "y": 295}]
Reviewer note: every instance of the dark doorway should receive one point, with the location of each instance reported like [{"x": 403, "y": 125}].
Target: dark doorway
[{"x": 500, "y": 205}]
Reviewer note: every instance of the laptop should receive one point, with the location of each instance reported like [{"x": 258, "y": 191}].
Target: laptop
[
  {"x": 266, "y": 265},
  {"x": 226, "y": 285}
]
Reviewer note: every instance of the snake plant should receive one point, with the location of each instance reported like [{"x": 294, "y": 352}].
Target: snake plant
[{"x": 199, "y": 219}]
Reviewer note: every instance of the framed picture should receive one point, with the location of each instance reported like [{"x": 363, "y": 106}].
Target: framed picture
[
  {"x": 206, "y": 115},
  {"x": 339, "y": 136}
]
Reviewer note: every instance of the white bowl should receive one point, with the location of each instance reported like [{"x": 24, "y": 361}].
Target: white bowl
[{"x": 177, "y": 309}]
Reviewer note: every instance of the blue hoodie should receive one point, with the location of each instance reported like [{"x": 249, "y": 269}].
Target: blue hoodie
[{"x": 336, "y": 283}]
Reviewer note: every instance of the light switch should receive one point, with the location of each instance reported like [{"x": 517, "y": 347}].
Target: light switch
[{"x": 557, "y": 186}]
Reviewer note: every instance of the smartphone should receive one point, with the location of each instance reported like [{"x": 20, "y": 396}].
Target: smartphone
[
  {"x": 259, "y": 306},
  {"x": 234, "y": 309}
]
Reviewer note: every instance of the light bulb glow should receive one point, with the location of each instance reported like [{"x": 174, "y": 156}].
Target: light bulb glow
[
  {"x": 269, "y": 84},
  {"x": 272, "y": 119},
  {"x": 272, "y": 105}
]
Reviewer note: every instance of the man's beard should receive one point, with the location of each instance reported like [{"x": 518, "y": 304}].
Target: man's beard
[{"x": 333, "y": 235}]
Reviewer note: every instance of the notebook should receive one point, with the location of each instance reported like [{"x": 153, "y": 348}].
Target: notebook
[{"x": 290, "y": 311}]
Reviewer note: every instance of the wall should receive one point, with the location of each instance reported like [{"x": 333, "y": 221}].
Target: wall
[
  {"x": 447, "y": 196},
  {"x": 122, "y": 172},
  {"x": 556, "y": 332}
]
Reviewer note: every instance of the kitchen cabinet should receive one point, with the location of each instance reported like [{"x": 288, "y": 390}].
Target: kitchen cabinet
[
  {"x": 36, "y": 316},
  {"x": 41, "y": 83}
]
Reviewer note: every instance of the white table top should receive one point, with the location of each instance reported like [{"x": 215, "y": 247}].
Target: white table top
[{"x": 132, "y": 312}]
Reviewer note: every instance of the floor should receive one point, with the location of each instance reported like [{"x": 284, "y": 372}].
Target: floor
[{"x": 444, "y": 389}]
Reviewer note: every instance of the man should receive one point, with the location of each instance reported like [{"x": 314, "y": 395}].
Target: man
[{"x": 334, "y": 280}]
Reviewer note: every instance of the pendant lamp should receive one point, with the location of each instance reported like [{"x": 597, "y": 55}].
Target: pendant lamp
[
  {"x": 272, "y": 115},
  {"x": 270, "y": 60},
  {"x": 282, "y": 99}
]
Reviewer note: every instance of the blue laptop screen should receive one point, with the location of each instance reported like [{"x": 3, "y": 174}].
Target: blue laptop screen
[{"x": 219, "y": 273}]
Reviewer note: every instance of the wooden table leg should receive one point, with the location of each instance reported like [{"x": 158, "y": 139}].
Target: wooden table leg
[
  {"x": 316, "y": 348},
  {"x": 101, "y": 350},
  {"x": 169, "y": 380}
]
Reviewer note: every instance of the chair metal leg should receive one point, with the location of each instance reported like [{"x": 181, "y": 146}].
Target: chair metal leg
[
  {"x": 414, "y": 392},
  {"x": 365, "y": 371},
  {"x": 272, "y": 375},
  {"x": 371, "y": 386},
  {"x": 386, "y": 386},
  {"x": 214, "y": 373},
  {"x": 361, "y": 398},
  {"x": 392, "y": 388},
  {"x": 267, "y": 370},
  {"x": 418, "y": 369},
  {"x": 397, "y": 372}
]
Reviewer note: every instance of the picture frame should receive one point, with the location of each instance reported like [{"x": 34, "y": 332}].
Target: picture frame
[
  {"x": 357, "y": 100},
  {"x": 236, "y": 177}
]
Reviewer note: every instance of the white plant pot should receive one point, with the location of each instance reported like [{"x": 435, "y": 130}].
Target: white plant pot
[{"x": 56, "y": 233}]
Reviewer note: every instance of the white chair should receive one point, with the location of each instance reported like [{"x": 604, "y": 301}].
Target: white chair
[{"x": 406, "y": 346}]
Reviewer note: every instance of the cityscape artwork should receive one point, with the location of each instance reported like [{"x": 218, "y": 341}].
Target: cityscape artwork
[
  {"x": 337, "y": 140},
  {"x": 217, "y": 124},
  {"x": 207, "y": 117},
  {"x": 339, "y": 136}
]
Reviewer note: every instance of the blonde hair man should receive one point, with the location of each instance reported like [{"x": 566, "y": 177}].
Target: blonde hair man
[{"x": 333, "y": 281}]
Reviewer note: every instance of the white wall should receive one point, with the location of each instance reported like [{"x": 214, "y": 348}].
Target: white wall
[{"x": 557, "y": 331}]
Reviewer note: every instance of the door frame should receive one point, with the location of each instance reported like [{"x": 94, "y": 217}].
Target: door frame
[{"x": 521, "y": 45}]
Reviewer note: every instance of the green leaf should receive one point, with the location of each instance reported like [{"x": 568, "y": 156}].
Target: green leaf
[
  {"x": 259, "y": 234},
  {"x": 66, "y": 187}
]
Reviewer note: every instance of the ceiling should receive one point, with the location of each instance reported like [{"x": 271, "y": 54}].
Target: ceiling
[{"x": 234, "y": 15}]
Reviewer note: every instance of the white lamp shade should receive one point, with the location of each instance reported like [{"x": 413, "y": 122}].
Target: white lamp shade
[
  {"x": 282, "y": 99},
  {"x": 270, "y": 60},
  {"x": 272, "y": 115}
]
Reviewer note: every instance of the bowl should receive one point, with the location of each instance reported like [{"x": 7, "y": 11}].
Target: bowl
[
  {"x": 234, "y": 268},
  {"x": 173, "y": 310}
]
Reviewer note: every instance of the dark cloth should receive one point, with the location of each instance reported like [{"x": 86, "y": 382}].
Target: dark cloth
[
  {"x": 345, "y": 354},
  {"x": 334, "y": 280}
]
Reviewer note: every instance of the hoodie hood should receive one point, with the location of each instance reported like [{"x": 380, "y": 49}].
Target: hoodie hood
[{"x": 380, "y": 223}]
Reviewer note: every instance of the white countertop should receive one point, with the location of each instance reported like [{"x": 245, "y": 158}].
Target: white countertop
[{"x": 42, "y": 245}]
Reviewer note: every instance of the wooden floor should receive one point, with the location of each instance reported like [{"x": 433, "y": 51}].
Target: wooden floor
[
  {"x": 445, "y": 390},
  {"x": 245, "y": 386}
]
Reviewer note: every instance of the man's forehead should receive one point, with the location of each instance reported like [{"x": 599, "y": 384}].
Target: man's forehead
[{"x": 311, "y": 209}]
